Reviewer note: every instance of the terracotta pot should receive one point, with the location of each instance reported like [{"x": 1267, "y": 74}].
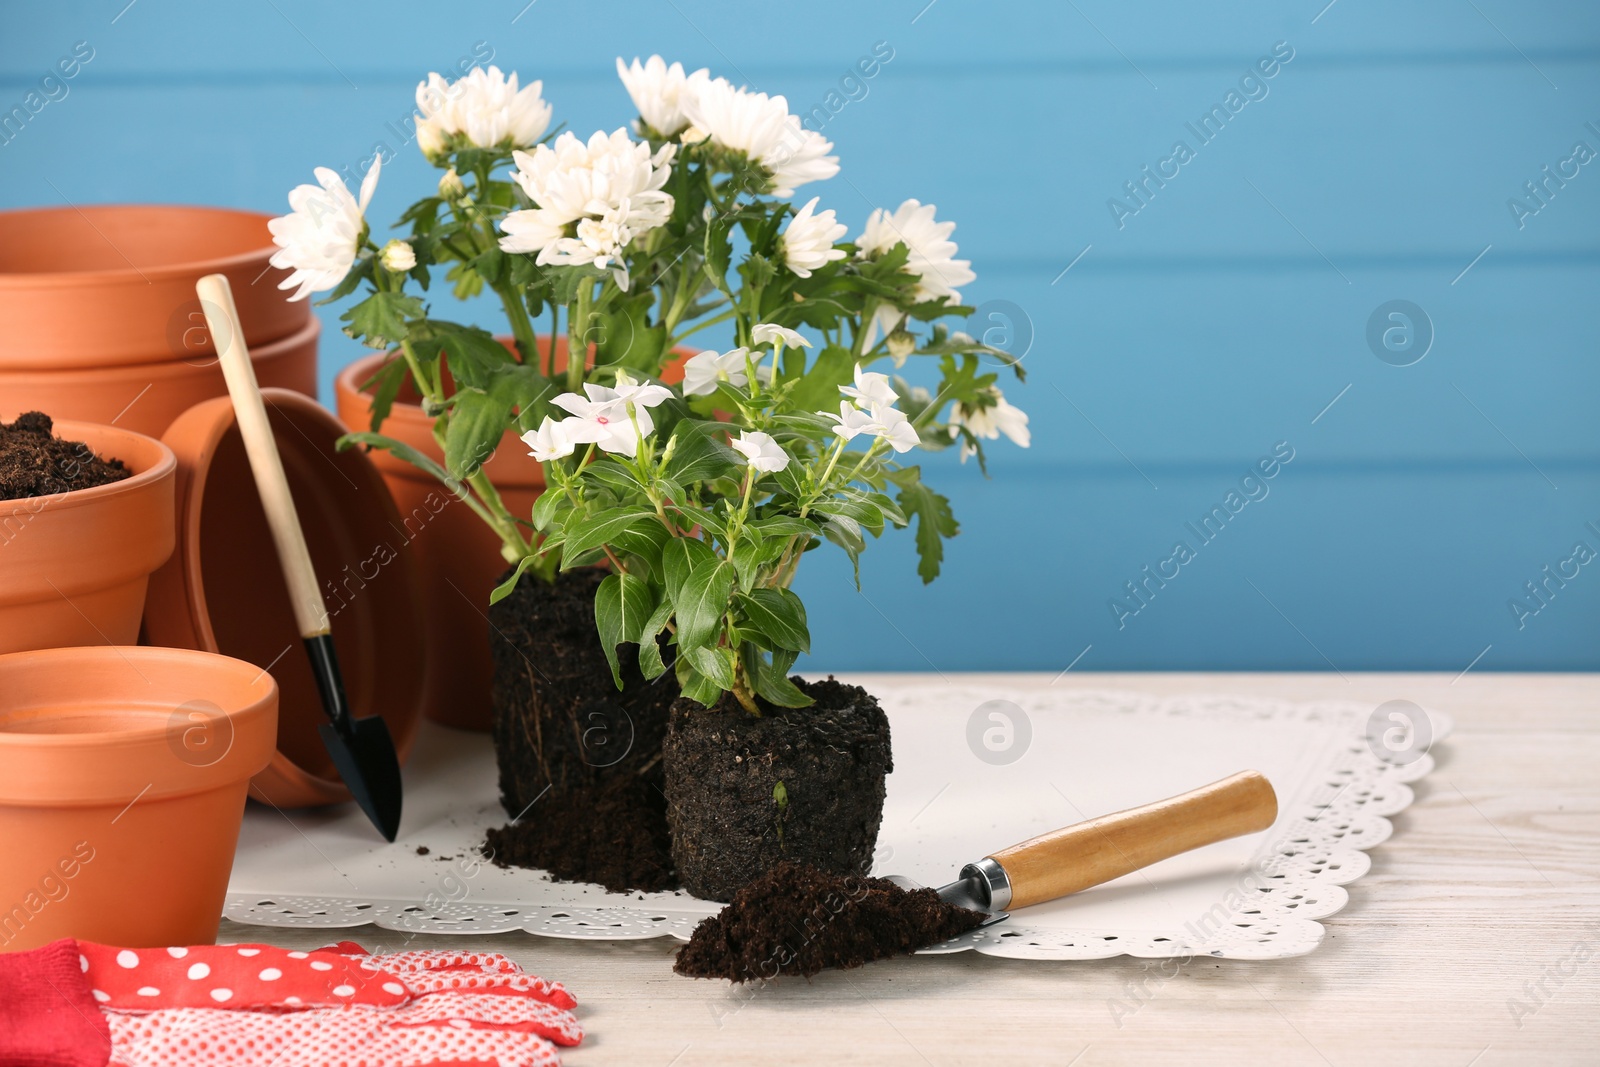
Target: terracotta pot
[
  {"x": 74, "y": 566},
  {"x": 222, "y": 591},
  {"x": 122, "y": 783},
  {"x": 113, "y": 284},
  {"x": 148, "y": 397},
  {"x": 457, "y": 553}
]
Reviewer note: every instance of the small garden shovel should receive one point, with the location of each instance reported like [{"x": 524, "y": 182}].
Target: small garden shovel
[
  {"x": 1097, "y": 850},
  {"x": 362, "y": 749}
]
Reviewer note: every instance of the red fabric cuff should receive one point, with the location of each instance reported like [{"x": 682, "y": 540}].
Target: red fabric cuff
[{"x": 48, "y": 1017}]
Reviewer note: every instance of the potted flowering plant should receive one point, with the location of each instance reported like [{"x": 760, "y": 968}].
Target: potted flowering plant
[{"x": 677, "y": 514}]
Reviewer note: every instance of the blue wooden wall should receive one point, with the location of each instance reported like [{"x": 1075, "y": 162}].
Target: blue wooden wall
[{"x": 1190, "y": 337}]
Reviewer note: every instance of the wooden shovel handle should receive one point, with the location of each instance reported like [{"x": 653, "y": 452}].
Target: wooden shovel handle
[
  {"x": 1088, "y": 853},
  {"x": 222, "y": 318}
]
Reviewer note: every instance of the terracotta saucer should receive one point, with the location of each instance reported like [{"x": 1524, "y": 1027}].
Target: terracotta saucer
[{"x": 222, "y": 590}]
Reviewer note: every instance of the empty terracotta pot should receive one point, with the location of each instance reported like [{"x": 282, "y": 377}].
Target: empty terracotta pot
[
  {"x": 148, "y": 397},
  {"x": 110, "y": 285},
  {"x": 74, "y": 566},
  {"x": 457, "y": 554},
  {"x": 223, "y": 591},
  {"x": 122, "y": 784}
]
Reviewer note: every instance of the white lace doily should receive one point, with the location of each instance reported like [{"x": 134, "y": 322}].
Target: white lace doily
[{"x": 965, "y": 784}]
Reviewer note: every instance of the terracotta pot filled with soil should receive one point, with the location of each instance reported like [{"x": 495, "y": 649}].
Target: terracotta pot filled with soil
[
  {"x": 86, "y": 514},
  {"x": 457, "y": 553},
  {"x": 112, "y": 285},
  {"x": 149, "y": 397},
  {"x": 746, "y": 792},
  {"x": 122, "y": 783},
  {"x": 570, "y": 744},
  {"x": 223, "y": 592}
]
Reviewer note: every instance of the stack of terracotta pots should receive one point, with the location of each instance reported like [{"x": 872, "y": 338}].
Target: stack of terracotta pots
[{"x": 102, "y": 322}]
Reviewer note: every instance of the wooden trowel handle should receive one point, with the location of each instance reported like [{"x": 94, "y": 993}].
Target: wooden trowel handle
[{"x": 1098, "y": 850}]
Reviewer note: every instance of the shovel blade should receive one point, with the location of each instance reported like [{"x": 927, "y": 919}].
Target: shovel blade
[
  {"x": 963, "y": 893},
  {"x": 365, "y": 757}
]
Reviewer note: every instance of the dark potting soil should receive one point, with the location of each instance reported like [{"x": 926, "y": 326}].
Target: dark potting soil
[
  {"x": 579, "y": 761},
  {"x": 730, "y": 822},
  {"x": 614, "y": 834},
  {"x": 34, "y": 462},
  {"x": 797, "y": 920}
]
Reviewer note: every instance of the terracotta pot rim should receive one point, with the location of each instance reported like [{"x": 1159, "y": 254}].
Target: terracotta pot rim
[
  {"x": 261, "y": 684},
  {"x": 165, "y": 466},
  {"x": 166, "y": 369},
  {"x": 17, "y": 280}
]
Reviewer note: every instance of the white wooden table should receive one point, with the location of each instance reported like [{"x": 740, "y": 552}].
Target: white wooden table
[{"x": 1474, "y": 940}]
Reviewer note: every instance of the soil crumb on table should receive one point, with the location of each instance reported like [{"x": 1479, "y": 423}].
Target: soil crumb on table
[
  {"x": 423, "y": 850},
  {"x": 797, "y": 920},
  {"x": 613, "y": 834},
  {"x": 34, "y": 462}
]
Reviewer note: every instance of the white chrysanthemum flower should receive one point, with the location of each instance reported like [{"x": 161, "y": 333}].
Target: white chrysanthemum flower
[
  {"x": 704, "y": 371},
  {"x": 760, "y": 451},
  {"x": 319, "y": 239},
  {"x": 871, "y": 389},
  {"x": 989, "y": 421},
  {"x": 398, "y": 256},
  {"x": 657, "y": 91},
  {"x": 931, "y": 256},
  {"x": 761, "y": 127},
  {"x": 770, "y": 332},
  {"x": 551, "y": 441},
  {"x": 807, "y": 239},
  {"x": 593, "y": 198},
  {"x": 484, "y": 109}
]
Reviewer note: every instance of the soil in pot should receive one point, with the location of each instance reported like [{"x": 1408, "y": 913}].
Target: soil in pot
[
  {"x": 797, "y": 920},
  {"x": 35, "y": 462},
  {"x": 579, "y": 760},
  {"x": 745, "y": 793}
]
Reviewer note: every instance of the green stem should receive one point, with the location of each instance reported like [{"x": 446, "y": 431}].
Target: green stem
[
  {"x": 577, "y": 339},
  {"x": 521, "y": 325}
]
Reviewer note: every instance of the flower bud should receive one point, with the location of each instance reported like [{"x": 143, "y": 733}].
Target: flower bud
[
  {"x": 694, "y": 135},
  {"x": 430, "y": 138},
  {"x": 901, "y": 344},
  {"x": 451, "y": 188},
  {"x": 398, "y": 257}
]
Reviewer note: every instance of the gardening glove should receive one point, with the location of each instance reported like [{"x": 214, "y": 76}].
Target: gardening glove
[{"x": 261, "y": 1005}]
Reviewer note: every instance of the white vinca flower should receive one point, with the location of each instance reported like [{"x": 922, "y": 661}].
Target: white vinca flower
[
  {"x": 989, "y": 420},
  {"x": 551, "y": 441},
  {"x": 657, "y": 91},
  {"x": 770, "y": 332},
  {"x": 871, "y": 388},
  {"x": 893, "y": 426},
  {"x": 615, "y": 419},
  {"x": 703, "y": 371},
  {"x": 319, "y": 239},
  {"x": 760, "y": 127},
  {"x": 398, "y": 256},
  {"x": 807, "y": 239},
  {"x": 851, "y": 421},
  {"x": 484, "y": 109},
  {"x": 931, "y": 256},
  {"x": 594, "y": 198},
  {"x": 760, "y": 451}
]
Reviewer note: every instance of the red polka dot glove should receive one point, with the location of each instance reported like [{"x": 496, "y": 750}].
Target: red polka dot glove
[{"x": 252, "y": 1005}]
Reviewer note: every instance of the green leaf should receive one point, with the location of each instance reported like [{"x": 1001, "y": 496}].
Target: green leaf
[
  {"x": 503, "y": 590},
  {"x": 650, "y": 661},
  {"x": 402, "y": 450},
  {"x": 772, "y": 683},
  {"x": 935, "y": 521},
  {"x": 719, "y": 252},
  {"x": 846, "y": 533},
  {"x": 545, "y": 508},
  {"x": 779, "y": 615},
  {"x": 696, "y": 686},
  {"x": 621, "y": 606},
  {"x": 477, "y": 422},
  {"x": 818, "y": 389},
  {"x": 602, "y": 529},
  {"x": 384, "y": 387},
  {"x": 853, "y": 504},
  {"x": 716, "y": 664},
  {"x": 785, "y": 526},
  {"x": 698, "y": 454},
  {"x": 748, "y": 556},
  {"x": 381, "y": 320},
  {"x": 701, "y": 603},
  {"x": 682, "y": 557}
]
